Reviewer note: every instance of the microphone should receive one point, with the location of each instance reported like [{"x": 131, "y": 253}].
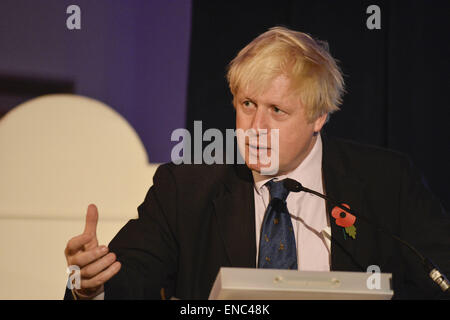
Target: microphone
[{"x": 432, "y": 269}]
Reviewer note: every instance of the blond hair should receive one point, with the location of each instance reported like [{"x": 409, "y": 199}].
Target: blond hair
[{"x": 313, "y": 73}]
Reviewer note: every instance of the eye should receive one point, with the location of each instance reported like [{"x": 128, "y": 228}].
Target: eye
[
  {"x": 277, "y": 110},
  {"x": 247, "y": 103}
]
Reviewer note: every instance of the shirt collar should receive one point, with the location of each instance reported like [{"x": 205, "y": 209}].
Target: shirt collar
[{"x": 305, "y": 172}]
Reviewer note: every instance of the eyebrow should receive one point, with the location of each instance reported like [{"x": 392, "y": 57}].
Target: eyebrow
[
  {"x": 244, "y": 98},
  {"x": 279, "y": 106}
]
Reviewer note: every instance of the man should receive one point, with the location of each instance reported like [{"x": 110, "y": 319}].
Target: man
[{"x": 198, "y": 218}]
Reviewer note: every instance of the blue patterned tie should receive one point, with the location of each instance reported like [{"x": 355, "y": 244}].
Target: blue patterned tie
[{"x": 277, "y": 248}]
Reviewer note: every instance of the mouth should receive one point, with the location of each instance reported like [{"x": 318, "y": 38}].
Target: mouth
[{"x": 257, "y": 147}]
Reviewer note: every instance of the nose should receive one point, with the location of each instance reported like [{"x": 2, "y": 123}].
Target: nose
[{"x": 260, "y": 119}]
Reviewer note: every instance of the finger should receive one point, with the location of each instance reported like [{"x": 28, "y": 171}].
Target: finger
[
  {"x": 82, "y": 259},
  {"x": 102, "y": 277},
  {"x": 94, "y": 268},
  {"x": 91, "y": 244},
  {"x": 91, "y": 220},
  {"x": 76, "y": 243}
]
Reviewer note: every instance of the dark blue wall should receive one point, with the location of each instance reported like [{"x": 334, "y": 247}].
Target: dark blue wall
[{"x": 132, "y": 55}]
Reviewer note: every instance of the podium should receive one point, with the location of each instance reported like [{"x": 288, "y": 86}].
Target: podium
[{"x": 273, "y": 284}]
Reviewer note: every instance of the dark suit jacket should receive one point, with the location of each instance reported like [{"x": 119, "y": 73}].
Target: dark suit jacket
[{"x": 198, "y": 218}]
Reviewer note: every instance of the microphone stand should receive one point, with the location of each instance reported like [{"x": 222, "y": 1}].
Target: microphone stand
[{"x": 432, "y": 269}]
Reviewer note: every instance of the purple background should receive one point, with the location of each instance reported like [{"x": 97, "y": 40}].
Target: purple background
[{"x": 131, "y": 54}]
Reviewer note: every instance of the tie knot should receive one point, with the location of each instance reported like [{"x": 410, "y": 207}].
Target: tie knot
[{"x": 277, "y": 190}]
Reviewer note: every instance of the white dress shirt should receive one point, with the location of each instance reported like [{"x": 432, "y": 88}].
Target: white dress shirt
[{"x": 308, "y": 212}]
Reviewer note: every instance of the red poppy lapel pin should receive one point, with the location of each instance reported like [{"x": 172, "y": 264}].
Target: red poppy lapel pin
[{"x": 345, "y": 220}]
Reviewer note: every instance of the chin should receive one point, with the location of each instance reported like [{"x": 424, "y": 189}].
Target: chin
[
  {"x": 259, "y": 166},
  {"x": 253, "y": 167},
  {"x": 262, "y": 169}
]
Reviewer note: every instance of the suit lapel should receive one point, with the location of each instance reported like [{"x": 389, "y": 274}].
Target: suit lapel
[
  {"x": 235, "y": 211},
  {"x": 341, "y": 185}
]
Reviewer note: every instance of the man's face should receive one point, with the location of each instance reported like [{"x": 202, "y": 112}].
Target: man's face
[{"x": 276, "y": 108}]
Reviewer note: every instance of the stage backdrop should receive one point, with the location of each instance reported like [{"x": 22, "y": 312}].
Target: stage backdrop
[
  {"x": 396, "y": 76},
  {"x": 131, "y": 55}
]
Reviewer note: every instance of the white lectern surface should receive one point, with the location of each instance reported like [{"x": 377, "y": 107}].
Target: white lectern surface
[{"x": 273, "y": 284}]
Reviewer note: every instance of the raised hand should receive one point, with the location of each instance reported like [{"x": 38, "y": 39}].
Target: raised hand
[{"x": 96, "y": 265}]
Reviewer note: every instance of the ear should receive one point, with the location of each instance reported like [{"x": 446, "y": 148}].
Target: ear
[{"x": 319, "y": 122}]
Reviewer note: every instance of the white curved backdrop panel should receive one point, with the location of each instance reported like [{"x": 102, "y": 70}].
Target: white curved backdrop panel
[{"x": 58, "y": 154}]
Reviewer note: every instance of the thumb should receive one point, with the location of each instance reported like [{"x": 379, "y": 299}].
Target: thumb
[{"x": 91, "y": 220}]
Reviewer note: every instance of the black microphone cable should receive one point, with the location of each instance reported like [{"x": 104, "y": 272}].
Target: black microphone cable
[{"x": 432, "y": 270}]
